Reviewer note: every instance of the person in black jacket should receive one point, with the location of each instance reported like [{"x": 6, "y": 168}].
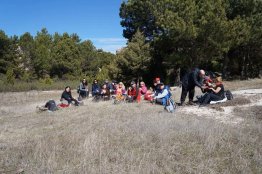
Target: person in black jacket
[
  {"x": 189, "y": 82},
  {"x": 66, "y": 95}
]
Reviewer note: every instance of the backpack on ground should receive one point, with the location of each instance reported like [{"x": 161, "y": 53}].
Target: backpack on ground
[
  {"x": 229, "y": 95},
  {"x": 51, "y": 105}
]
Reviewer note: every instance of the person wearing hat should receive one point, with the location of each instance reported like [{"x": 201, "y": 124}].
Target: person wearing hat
[
  {"x": 189, "y": 82},
  {"x": 164, "y": 96},
  {"x": 156, "y": 86}
]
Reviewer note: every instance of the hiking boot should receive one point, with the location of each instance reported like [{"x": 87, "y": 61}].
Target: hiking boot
[
  {"x": 181, "y": 104},
  {"x": 191, "y": 103}
]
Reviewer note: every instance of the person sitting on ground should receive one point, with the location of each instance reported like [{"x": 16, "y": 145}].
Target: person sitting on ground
[
  {"x": 113, "y": 89},
  {"x": 133, "y": 93},
  {"x": 143, "y": 88},
  {"x": 218, "y": 93},
  {"x": 108, "y": 85},
  {"x": 164, "y": 98},
  {"x": 67, "y": 95},
  {"x": 83, "y": 89},
  {"x": 95, "y": 88},
  {"x": 163, "y": 95},
  {"x": 189, "y": 82},
  {"x": 120, "y": 91},
  {"x": 105, "y": 93}
]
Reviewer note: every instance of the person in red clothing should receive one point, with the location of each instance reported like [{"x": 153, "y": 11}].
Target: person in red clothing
[{"x": 133, "y": 93}]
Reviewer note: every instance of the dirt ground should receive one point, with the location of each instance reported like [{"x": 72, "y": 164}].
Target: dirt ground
[{"x": 132, "y": 138}]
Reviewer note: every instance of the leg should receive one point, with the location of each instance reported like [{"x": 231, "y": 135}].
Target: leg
[
  {"x": 191, "y": 94},
  {"x": 159, "y": 101},
  {"x": 183, "y": 94},
  {"x": 206, "y": 99},
  {"x": 214, "y": 97},
  {"x": 76, "y": 102}
]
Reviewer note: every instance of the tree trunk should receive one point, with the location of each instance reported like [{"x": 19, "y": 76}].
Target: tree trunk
[
  {"x": 225, "y": 67},
  {"x": 177, "y": 75}
]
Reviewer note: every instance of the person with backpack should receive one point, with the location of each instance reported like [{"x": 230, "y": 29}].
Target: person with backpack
[
  {"x": 83, "y": 89},
  {"x": 95, "y": 88},
  {"x": 164, "y": 98},
  {"x": 189, "y": 82},
  {"x": 217, "y": 94},
  {"x": 67, "y": 95}
]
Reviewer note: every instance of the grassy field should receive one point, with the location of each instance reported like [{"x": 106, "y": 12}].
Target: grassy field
[{"x": 131, "y": 138}]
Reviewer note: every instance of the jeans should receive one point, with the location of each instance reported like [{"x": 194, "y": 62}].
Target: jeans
[{"x": 211, "y": 97}]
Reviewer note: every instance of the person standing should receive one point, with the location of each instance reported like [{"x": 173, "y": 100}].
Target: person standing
[{"x": 189, "y": 82}]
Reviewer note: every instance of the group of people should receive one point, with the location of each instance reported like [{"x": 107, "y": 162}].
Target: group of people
[
  {"x": 212, "y": 88},
  {"x": 210, "y": 84}
]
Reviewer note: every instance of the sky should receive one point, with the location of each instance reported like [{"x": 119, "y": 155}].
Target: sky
[{"x": 96, "y": 20}]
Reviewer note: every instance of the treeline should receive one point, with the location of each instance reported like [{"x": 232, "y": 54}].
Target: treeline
[
  {"x": 47, "y": 57},
  {"x": 168, "y": 37},
  {"x": 165, "y": 38}
]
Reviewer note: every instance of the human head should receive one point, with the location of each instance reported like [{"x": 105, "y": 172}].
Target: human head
[
  {"x": 84, "y": 81},
  {"x": 219, "y": 79},
  {"x": 120, "y": 85},
  {"x": 157, "y": 80},
  {"x": 133, "y": 84},
  {"x": 106, "y": 81},
  {"x": 142, "y": 83},
  {"x": 104, "y": 86},
  {"x": 95, "y": 81},
  {"x": 161, "y": 85},
  {"x": 67, "y": 89},
  {"x": 202, "y": 73}
]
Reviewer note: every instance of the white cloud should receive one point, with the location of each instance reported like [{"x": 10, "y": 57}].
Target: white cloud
[{"x": 109, "y": 44}]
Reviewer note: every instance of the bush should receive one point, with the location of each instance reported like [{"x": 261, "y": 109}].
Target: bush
[{"x": 10, "y": 76}]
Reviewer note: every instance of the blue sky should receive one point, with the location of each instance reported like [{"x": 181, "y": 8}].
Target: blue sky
[{"x": 97, "y": 20}]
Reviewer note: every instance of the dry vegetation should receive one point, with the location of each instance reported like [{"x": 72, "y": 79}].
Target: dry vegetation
[{"x": 129, "y": 138}]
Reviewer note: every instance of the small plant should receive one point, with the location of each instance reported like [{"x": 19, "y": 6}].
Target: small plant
[{"x": 10, "y": 76}]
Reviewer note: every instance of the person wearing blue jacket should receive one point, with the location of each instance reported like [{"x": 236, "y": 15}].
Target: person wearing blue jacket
[
  {"x": 95, "y": 88},
  {"x": 164, "y": 98},
  {"x": 163, "y": 95}
]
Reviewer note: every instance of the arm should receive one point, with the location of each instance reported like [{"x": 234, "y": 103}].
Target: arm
[
  {"x": 195, "y": 79},
  {"x": 216, "y": 90},
  {"x": 165, "y": 92}
]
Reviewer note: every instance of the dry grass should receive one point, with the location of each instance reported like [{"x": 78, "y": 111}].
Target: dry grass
[
  {"x": 247, "y": 84},
  {"x": 126, "y": 138},
  {"x": 235, "y": 102}
]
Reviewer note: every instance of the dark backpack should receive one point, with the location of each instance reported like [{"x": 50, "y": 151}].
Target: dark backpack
[
  {"x": 51, "y": 105},
  {"x": 229, "y": 95}
]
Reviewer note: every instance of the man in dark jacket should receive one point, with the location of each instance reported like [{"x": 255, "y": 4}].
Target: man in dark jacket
[{"x": 189, "y": 82}]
